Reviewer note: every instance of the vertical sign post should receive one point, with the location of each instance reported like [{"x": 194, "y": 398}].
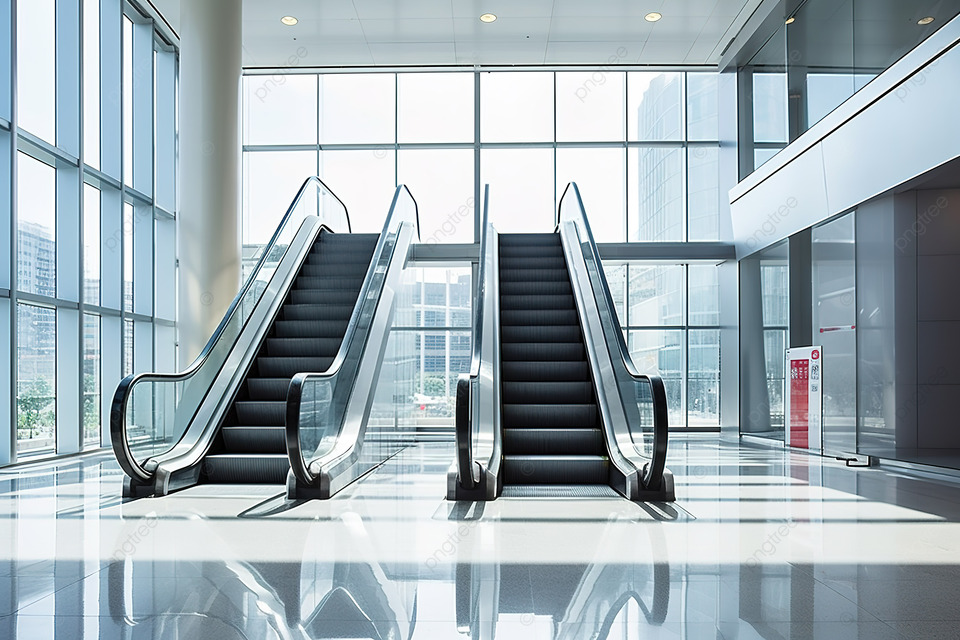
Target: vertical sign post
[{"x": 803, "y": 399}]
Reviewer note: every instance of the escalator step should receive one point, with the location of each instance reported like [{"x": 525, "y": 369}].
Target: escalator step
[
  {"x": 555, "y": 469},
  {"x": 547, "y": 392},
  {"x": 529, "y": 239},
  {"x": 268, "y": 388},
  {"x": 567, "y": 333},
  {"x": 309, "y": 347},
  {"x": 524, "y": 317},
  {"x": 549, "y": 441},
  {"x": 534, "y": 275},
  {"x": 316, "y": 311},
  {"x": 269, "y": 413},
  {"x": 545, "y": 371},
  {"x": 518, "y": 288},
  {"x": 539, "y": 251},
  {"x": 531, "y": 262},
  {"x": 358, "y": 239},
  {"x": 315, "y": 282},
  {"x": 549, "y": 415},
  {"x": 524, "y": 351},
  {"x": 360, "y": 259},
  {"x": 536, "y": 302},
  {"x": 247, "y": 439},
  {"x": 270, "y": 367},
  {"x": 228, "y": 468},
  {"x": 323, "y": 296},
  {"x": 334, "y": 270},
  {"x": 310, "y": 328}
]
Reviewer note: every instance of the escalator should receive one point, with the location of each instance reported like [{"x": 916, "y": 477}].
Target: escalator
[
  {"x": 552, "y": 405},
  {"x": 305, "y": 336},
  {"x": 551, "y": 421},
  {"x": 289, "y": 372}
]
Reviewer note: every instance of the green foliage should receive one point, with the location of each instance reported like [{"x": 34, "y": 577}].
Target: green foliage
[{"x": 35, "y": 409}]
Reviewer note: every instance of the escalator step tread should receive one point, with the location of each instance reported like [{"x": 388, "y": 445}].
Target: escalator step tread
[
  {"x": 545, "y": 371},
  {"x": 544, "y": 351},
  {"x": 317, "y": 311},
  {"x": 549, "y": 415},
  {"x": 529, "y": 239},
  {"x": 539, "y": 392},
  {"x": 269, "y": 367},
  {"x": 254, "y": 439},
  {"x": 522, "y": 288},
  {"x": 323, "y": 296},
  {"x": 310, "y": 328},
  {"x": 320, "y": 282},
  {"x": 555, "y": 469},
  {"x": 537, "y": 251},
  {"x": 334, "y": 271},
  {"x": 525, "y": 317},
  {"x": 514, "y": 333},
  {"x": 536, "y": 302},
  {"x": 556, "y": 441},
  {"x": 532, "y": 262},
  {"x": 267, "y": 388},
  {"x": 534, "y": 275},
  {"x": 269, "y": 413},
  {"x": 309, "y": 347},
  {"x": 229, "y": 468}
]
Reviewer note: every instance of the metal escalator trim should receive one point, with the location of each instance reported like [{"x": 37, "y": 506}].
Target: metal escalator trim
[{"x": 389, "y": 257}]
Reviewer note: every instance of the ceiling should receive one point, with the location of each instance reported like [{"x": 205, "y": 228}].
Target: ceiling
[{"x": 449, "y": 32}]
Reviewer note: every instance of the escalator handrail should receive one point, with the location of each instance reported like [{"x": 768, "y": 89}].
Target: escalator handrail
[
  {"x": 299, "y": 465},
  {"x": 652, "y": 474},
  {"x": 464, "y": 415},
  {"x": 118, "y": 407}
]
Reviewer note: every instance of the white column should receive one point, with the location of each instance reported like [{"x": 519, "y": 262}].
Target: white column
[{"x": 209, "y": 216}]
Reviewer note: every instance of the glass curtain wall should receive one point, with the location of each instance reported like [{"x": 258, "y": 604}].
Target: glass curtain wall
[
  {"x": 87, "y": 215},
  {"x": 642, "y": 146},
  {"x": 822, "y": 52},
  {"x": 670, "y": 315}
]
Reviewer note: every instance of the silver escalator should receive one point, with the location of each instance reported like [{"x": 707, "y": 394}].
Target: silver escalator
[
  {"x": 313, "y": 297},
  {"x": 553, "y": 405}
]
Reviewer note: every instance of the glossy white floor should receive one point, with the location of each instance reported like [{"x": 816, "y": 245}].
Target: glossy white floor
[{"x": 760, "y": 544}]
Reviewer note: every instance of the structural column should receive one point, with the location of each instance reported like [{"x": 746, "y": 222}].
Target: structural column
[{"x": 209, "y": 216}]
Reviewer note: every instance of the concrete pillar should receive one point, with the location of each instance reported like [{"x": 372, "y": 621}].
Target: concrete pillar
[{"x": 209, "y": 216}]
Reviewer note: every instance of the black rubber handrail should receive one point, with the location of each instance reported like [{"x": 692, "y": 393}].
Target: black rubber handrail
[
  {"x": 652, "y": 473},
  {"x": 298, "y": 463},
  {"x": 464, "y": 414},
  {"x": 118, "y": 406}
]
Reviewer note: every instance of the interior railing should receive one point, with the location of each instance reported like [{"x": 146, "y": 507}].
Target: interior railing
[
  {"x": 642, "y": 440},
  {"x": 475, "y": 474},
  {"x": 151, "y": 412},
  {"x": 325, "y": 420}
]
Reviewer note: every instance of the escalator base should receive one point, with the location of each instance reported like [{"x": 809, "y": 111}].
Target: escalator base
[{"x": 559, "y": 491}]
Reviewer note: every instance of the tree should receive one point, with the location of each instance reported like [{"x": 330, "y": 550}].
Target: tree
[{"x": 34, "y": 410}]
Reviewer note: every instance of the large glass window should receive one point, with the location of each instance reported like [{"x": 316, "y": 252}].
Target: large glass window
[
  {"x": 516, "y": 107},
  {"x": 441, "y": 180},
  {"x": 522, "y": 189},
  {"x": 83, "y": 243},
  {"x": 670, "y": 315},
  {"x": 435, "y": 107},
  {"x": 358, "y": 108}
]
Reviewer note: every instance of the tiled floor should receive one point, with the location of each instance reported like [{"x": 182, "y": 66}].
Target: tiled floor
[{"x": 760, "y": 544}]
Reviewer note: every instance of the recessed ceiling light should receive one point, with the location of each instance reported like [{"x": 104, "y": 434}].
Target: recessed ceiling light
[
  {"x": 289, "y": 20},
  {"x": 488, "y": 17},
  {"x": 791, "y": 20},
  {"x": 926, "y": 20},
  {"x": 653, "y": 16}
]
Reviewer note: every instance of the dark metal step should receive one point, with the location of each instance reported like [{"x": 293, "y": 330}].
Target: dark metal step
[
  {"x": 523, "y": 288},
  {"x": 545, "y": 371},
  {"x": 311, "y": 347},
  {"x": 532, "y": 275},
  {"x": 317, "y": 311},
  {"x": 320, "y": 282},
  {"x": 268, "y": 388},
  {"x": 539, "y": 392},
  {"x": 581, "y": 469},
  {"x": 524, "y": 317},
  {"x": 544, "y": 351},
  {"x": 310, "y": 328},
  {"x": 566, "y": 333},
  {"x": 323, "y": 296},
  {"x": 549, "y": 415},
  {"x": 535, "y": 251},
  {"x": 561, "y": 441},
  {"x": 269, "y": 367},
  {"x": 271, "y": 413},
  {"x": 532, "y": 262},
  {"x": 536, "y": 302},
  {"x": 529, "y": 239},
  {"x": 231, "y": 468},
  {"x": 333, "y": 271},
  {"x": 250, "y": 439}
]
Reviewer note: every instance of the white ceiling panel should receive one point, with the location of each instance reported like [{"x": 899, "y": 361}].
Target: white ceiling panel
[{"x": 441, "y": 32}]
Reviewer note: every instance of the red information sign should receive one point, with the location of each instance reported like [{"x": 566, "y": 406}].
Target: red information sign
[{"x": 799, "y": 403}]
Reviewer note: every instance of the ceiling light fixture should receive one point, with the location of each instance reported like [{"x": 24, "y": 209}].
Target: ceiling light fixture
[
  {"x": 926, "y": 20},
  {"x": 289, "y": 20},
  {"x": 791, "y": 20},
  {"x": 653, "y": 16},
  {"x": 488, "y": 17}
]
